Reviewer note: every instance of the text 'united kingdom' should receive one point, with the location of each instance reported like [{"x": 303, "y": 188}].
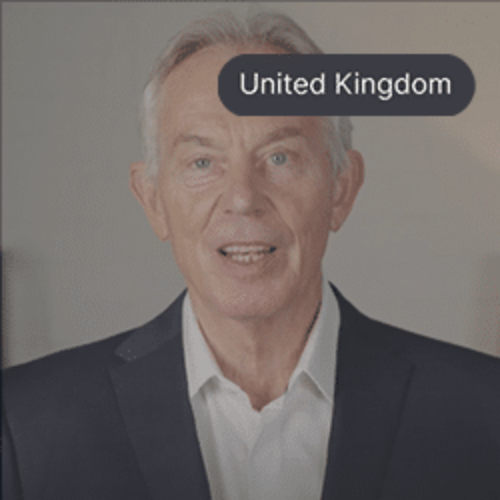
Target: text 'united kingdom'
[{"x": 322, "y": 85}]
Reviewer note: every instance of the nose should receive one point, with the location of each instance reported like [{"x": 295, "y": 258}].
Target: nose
[{"x": 244, "y": 191}]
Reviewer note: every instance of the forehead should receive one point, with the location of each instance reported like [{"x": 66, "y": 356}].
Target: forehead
[
  {"x": 200, "y": 71},
  {"x": 189, "y": 102}
]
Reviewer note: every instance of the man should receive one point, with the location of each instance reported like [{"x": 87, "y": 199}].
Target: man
[{"x": 262, "y": 381}]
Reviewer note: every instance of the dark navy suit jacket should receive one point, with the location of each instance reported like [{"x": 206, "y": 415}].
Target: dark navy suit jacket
[{"x": 414, "y": 419}]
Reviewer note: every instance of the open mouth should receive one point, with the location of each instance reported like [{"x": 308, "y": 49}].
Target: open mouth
[{"x": 246, "y": 254}]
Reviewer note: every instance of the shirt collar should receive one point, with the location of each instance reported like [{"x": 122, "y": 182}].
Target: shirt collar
[
  {"x": 200, "y": 365},
  {"x": 317, "y": 361}
]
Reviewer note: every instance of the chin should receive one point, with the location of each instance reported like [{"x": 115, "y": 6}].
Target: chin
[{"x": 244, "y": 301}]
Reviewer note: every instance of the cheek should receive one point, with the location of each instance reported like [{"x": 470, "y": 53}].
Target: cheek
[
  {"x": 282, "y": 178},
  {"x": 310, "y": 219},
  {"x": 188, "y": 214},
  {"x": 183, "y": 227},
  {"x": 313, "y": 203}
]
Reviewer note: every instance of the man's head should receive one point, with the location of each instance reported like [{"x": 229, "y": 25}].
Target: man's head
[
  {"x": 268, "y": 30},
  {"x": 247, "y": 202}
]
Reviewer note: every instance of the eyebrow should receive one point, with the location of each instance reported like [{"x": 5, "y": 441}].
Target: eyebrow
[
  {"x": 274, "y": 136},
  {"x": 281, "y": 134},
  {"x": 196, "y": 139}
]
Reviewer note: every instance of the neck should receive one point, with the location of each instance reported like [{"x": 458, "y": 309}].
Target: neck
[{"x": 260, "y": 354}]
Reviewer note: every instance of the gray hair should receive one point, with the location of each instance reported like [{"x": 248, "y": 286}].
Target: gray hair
[{"x": 223, "y": 28}]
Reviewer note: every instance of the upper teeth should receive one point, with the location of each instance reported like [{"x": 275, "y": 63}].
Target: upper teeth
[{"x": 246, "y": 249}]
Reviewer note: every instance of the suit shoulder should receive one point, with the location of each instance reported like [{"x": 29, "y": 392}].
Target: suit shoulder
[
  {"x": 64, "y": 384},
  {"x": 420, "y": 350},
  {"x": 87, "y": 367},
  {"x": 63, "y": 368},
  {"x": 84, "y": 370},
  {"x": 427, "y": 351}
]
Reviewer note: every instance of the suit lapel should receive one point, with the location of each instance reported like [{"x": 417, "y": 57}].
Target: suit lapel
[
  {"x": 151, "y": 388},
  {"x": 152, "y": 394},
  {"x": 370, "y": 393}
]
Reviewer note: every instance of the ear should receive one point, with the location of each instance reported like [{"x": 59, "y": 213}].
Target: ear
[
  {"x": 145, "y": 189},
  {"x": 345, "y": 189}
]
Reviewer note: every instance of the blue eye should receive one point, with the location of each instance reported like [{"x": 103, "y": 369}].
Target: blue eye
[
  {"x": 202, "y": 163},
  {"x": 279, "y": 159}
]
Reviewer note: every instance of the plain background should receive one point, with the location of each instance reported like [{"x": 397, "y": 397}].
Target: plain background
[{"x": 421, "y": 249}]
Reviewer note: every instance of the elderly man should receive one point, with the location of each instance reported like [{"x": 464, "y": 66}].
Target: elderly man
[{"x": 261, "y": 381}]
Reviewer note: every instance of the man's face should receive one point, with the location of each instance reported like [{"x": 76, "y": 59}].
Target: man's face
[{"x": 245, "y": 201}]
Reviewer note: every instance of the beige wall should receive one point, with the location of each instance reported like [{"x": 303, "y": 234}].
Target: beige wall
[{"x": 421, "y": 249}]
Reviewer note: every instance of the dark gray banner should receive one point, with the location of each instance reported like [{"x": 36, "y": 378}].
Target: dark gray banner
[{"x": 355, "y": 85}]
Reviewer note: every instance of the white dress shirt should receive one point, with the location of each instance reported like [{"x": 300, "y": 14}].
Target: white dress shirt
[{"x": 280, "y": 452}]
